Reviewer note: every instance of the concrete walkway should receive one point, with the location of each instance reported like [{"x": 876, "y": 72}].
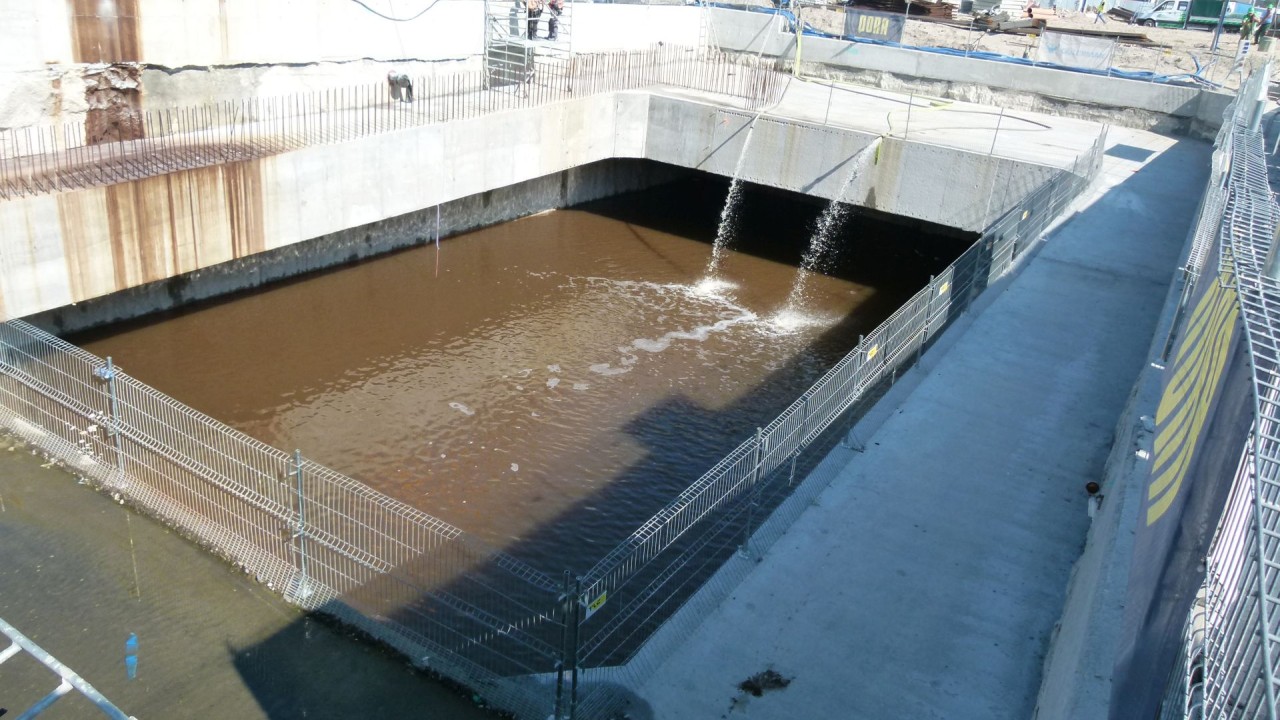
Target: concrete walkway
[{"x": 926, "y": 581}]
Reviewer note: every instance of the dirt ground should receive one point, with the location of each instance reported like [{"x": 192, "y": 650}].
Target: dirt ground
[{"x": 1170, "y": 52}]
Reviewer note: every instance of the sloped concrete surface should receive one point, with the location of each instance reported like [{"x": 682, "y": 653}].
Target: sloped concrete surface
[{"x": 926, "y": 580}]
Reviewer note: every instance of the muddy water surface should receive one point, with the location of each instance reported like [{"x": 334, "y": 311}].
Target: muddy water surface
[{"x": 549, "y": 383}]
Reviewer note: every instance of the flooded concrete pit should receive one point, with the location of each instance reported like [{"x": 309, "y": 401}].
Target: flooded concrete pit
[{"x": 549, "y": 383}]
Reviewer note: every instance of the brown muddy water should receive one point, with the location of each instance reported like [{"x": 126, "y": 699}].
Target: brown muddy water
[{"x": 549, "y": 383}]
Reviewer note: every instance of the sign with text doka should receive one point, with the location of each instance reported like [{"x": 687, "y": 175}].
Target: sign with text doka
[{"x": 873, "y": 25}]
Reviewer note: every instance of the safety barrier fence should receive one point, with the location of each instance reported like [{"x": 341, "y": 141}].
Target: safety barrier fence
[
  {"x": 1230, "y": 653},
  {"x": 1140, "y": 61},
  {"x": 531, "y": 642},
  {"x": 72, "y": 155}
]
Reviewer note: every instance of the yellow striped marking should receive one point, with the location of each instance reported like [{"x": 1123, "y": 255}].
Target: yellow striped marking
[{"x": 1184, "y": 408}]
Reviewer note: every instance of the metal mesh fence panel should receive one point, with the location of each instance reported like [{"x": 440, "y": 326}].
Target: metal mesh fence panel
[{"x": 1227, "y": 664}]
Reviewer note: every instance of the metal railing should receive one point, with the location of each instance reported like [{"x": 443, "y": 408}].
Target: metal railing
[
  {"x": 62, "y": 156},
  {"x": 68, "y": 679},
  {"x": 1227, "y": 667},
  {"x": 529, "y": 641}
]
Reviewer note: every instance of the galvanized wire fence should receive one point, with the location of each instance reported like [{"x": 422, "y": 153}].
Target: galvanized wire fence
[
  {"x": 64, "y": 156},
  {"x": 1228, "y": 662},
  {"x": 529, "y": 641},
  {"x": 747, "y": 500}
]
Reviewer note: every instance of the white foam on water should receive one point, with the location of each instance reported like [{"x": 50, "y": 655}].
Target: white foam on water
[
  {"x": 607, "y": 369},
  {"x": 553, "y": 368},
  {"x": 789, "y": 320},
  {"x": 462, "y": 409},
  {"x": 699, "y": 334},
  {"x": 713, "y": 288},
  {"x": 552, "y": 382}
]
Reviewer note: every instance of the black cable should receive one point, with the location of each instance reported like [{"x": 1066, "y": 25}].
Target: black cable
[{"x": 388, "y": 17}]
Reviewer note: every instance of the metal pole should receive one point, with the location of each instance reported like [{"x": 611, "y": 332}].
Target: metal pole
[
  {"x": 109, "y": 374},
  {"x": 1260, "y": 104},
  {"x": 795, "y": 70},
  {"x": 576, "y": 603},
  {"x": 751, "y": 502},
  {"x": 995, "y": 136},
  {"x": 566, "y": 597},
  {"x": 304, "y": 587},
  {"x": 68, "y": 677},
  {"x": 911, "y": 101}
]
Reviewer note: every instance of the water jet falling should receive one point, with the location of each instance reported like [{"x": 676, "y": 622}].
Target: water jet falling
[
  {"x": 729, "y": 213},
  {"x": 818, "y": 254}
]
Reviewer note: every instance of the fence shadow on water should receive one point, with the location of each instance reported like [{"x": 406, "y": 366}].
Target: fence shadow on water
[{"x": 531, "y": 641}]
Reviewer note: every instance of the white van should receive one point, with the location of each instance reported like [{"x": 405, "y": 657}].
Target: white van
[{"x": 1169, "y": 12}]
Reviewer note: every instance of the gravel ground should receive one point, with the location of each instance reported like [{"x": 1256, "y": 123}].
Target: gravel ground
[{"x": 1170, "y": 51}]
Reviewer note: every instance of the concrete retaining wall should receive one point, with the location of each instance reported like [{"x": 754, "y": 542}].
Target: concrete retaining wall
[
  {"x": 1150, "y": 106},
  {"x": 69, "y": 247},
  {"x": 563, "y": 189},
  {"x": 912, "y": 179},
  {"x": 75, "y": 246}
]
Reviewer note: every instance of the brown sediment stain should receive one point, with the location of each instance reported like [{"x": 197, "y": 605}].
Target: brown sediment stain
[
  {"x": 168, "y": 225},
  {"x": 136, "y": 221},
  {"x": 242, "y": 184},
  {"x": 105, "y": 31},
  {"x": 79, "y": 216},
  {"x": 122, "y": 231}
]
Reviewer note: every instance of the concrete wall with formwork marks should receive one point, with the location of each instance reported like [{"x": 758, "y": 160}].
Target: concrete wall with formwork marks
[
  {"x": 157, "y": 232},
  {"x": 912, "y": 179}
]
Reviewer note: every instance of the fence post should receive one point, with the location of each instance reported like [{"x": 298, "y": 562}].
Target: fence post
[
  {"x": 304, "y": 586},
  {"x": 575, "y": 601},
  {"x": 804, "y": 433},
  {"x": 928, "y": 317},
  {"x": 108, "y": 374},
  {"x": 566, "y": 597},
  {"x": 911, "y": 101},
  {"x": 751, "y": 500}
]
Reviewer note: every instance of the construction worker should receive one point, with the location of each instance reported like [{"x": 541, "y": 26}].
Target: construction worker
[
  {"x": 1264, "y": 23},
  {"x": 535, "y": 12},
  {"x": 1248, "y": 25},
  {"x": 553, "y": 23}
]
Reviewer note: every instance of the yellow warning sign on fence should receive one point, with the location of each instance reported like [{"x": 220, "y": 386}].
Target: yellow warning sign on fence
[{"x": 596, "y": 604}]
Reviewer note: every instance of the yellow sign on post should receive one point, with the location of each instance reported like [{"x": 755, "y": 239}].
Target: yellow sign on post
[{"x": 596, "y": 604}]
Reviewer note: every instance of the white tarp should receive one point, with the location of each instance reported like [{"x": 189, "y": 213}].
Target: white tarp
[{"x": 1075, "y": 50}]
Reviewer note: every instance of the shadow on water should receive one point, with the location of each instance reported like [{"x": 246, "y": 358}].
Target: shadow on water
[{"x": 869, "y": 242}]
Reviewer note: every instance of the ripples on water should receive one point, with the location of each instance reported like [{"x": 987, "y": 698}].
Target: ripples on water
[{"x": 562, "y": 378}]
